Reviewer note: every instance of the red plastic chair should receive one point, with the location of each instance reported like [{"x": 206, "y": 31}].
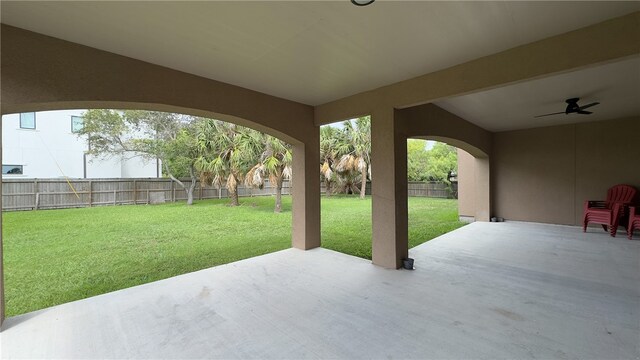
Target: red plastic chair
[
  {"x": 609, "y": 212},
  {"x": 634, "y": 221}
]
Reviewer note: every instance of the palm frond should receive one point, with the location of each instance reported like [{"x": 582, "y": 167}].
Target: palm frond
[
  {"x": 232, "y": 184},
  {"x": 255, "y": 176},
  {"x": 287, "y": 173},
  {"x": 325, "y": 170}
]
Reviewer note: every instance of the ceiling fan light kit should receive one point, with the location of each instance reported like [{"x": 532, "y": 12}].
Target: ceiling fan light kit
[
  {"x": 573, "y": 108},
  {"x": 362, "y": 2}
]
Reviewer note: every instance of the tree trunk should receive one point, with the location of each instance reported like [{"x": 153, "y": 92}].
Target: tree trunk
[
  {"x": 192, "y": 186},
  {"x": 327, "y": 187},
  {"x": 188, "y": 190},
  {"x": 278, "y": 207},
  {"x": 234, "y": 198},
  {"x": 363, "y": 188},
  {"x": 233, "y": 192}
]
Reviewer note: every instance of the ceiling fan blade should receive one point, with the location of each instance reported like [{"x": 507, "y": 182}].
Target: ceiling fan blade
[
  {"x": 588, "y": 105},
  {"x": 557, "y": 113},
  {"x": 584, "y": 112}
]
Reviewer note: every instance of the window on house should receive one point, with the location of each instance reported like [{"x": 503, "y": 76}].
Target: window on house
[
  {"x": 28, "y": 120},
  {"x": 11, "y": 169},
  {"x": 76, "y": 124}
]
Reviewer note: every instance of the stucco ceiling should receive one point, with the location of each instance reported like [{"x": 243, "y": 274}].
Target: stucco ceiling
[
  {"x": 616, "y": 86},
  {"x": 307, "y": 51}
]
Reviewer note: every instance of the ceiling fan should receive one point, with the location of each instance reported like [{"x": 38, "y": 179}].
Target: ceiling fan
[{"x": 573, "y": 108}]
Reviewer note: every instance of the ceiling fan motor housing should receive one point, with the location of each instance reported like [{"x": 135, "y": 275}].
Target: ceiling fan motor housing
[{"x": 572, "y": 105}]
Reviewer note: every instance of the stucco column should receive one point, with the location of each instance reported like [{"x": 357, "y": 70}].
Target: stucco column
[
  {"x": 1, "y": 253},
  {"x": 389, "y": 190},
  {"x": 482, "y": 191},
  {"x": 305, "y": 226}
]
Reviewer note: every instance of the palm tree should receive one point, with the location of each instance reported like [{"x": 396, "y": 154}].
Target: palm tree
[
  {"x": 361, "y": 139},
  {"x": 355, "y": 153},
  {"x": 229, "y": 151},
  {"x": 329, "y": 138},
  {"x": 275, "y": 163}
]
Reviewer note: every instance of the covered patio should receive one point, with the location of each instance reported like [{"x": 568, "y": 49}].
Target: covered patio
[
  {"x": 487, "y": 290},
  {"x": 472, "y": 74}
]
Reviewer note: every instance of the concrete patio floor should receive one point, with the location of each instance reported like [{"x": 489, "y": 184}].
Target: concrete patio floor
[{"x": 488, "y": 290}]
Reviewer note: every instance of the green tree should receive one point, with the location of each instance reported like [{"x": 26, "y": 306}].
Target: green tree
[
  {"x": 227, "y": 151},
  {"x": 442, "y": 160},
  {"x": 430, "y": 165},
  {"x": 274, "y": 164},
  {"x": 417, "y": 160},
  {"x": 148, "y": 134}
]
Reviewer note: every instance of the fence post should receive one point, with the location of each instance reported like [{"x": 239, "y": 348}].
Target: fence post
[
  {"x": 200, "y": 182},
  {"x": 90, "y": 193},
  {"x": 36, "y": 200},
  {"x": 115, "y": 196},
  {"x": 173, "y": 192},
  {"x": 147, "y": 196},
  {"x": 135, "y": 193}
]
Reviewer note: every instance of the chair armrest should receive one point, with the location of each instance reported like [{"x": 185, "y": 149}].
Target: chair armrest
[{"x": 595, "y": 204}]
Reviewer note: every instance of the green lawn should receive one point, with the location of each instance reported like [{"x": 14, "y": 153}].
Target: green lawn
[
  {"x": 346, "y": 222},
  {"x": 55, "y": 256}
]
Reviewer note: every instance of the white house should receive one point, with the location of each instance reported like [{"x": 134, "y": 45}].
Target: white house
[{"x": 44, "y": 145}]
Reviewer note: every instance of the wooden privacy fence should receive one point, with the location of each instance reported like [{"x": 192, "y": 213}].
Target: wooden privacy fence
[
  {"x": 433, "y": 189},
  {"x": 33, "y": 194},
  {"x": 430, "y": 189}
]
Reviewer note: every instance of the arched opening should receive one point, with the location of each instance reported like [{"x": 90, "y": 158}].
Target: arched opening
[
  {"x": 473, "y": 188},
  {"x": 444, "y": 187},
  {"x": 432, "y": 204},
  {"x": 109, "y": 226},
  {"x": 431, "y": 122},
  {"x": 43, "y": 73}
]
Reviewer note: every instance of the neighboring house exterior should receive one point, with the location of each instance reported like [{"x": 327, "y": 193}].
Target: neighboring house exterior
[{"x": 44, "y": 145}]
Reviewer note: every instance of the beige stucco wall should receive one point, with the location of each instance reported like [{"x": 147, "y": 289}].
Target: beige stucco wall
[
  {"x": 433, "y": 122},
  {"x": 466, "y": 184},
  {"x": 44, "y": 73},
  {"x": 546, "y": 174},
  {"x": 607, "y": 153}
]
